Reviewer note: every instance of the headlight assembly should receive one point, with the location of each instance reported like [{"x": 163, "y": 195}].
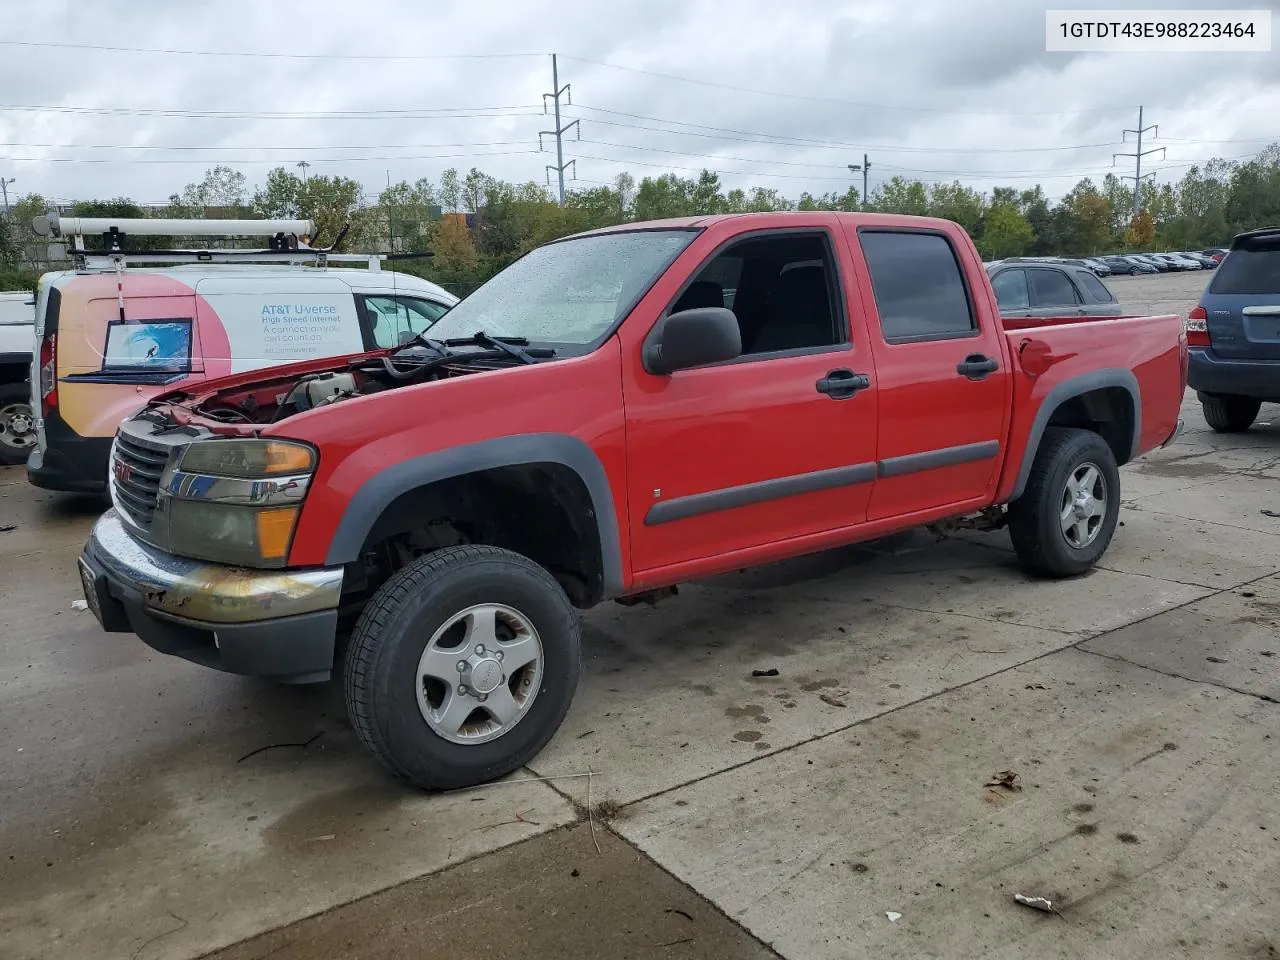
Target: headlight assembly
[{"x": 236, "y": 501}]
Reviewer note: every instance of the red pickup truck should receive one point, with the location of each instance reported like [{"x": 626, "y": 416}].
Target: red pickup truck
[{"x": 613, "y": 414}]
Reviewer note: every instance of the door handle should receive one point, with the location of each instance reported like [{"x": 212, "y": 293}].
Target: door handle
[
  {"x": 842, "y": 384},
  {"x": 977, "y": 367}
]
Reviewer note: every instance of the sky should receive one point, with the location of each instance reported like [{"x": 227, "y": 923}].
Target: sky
[{"x": 776, "y": 94}]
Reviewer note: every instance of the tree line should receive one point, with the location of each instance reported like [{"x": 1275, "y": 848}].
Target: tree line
[{"x": 474, "y": 224}]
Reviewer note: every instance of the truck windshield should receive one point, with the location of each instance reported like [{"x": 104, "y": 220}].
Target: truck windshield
[{"x": 569, "y": 292}]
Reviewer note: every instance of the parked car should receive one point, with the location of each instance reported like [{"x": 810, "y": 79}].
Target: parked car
[
  {"x": 1234, "y": 334},
  {"x": 1128, "y": 266},
  {"x": 100, "y": 359},
  {"x": 1044, "y": 289},
  {"x": 1206, "y": 263},
  {"x": 17, "y": 339},
  {"x": 1099, "y": 267},
  {"x": 614, "y": 431},
  {"x": 1178, "y": 262},
  {"x": 1215, "y": 253},
  {"x": 1162, "y": 266}
]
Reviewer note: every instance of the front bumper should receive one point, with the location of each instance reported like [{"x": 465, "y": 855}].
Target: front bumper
[
  {"x": 1209, "y": 373},
  {"x": 279, "y": 624}
]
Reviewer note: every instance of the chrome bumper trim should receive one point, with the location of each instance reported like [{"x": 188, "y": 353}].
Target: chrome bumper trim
[{"x": 209, "y": 592}]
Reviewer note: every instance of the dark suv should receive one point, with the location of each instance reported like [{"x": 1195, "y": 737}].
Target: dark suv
[{"x": 1234, "y": 334}]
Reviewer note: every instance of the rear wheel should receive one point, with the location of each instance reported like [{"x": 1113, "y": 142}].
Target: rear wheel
[
  {"x": 462, "y": 666},
  {"x": 1229, "y": 414},
  {"x": 17, "y": 424},
  {"x": 1065, "y": 519}
]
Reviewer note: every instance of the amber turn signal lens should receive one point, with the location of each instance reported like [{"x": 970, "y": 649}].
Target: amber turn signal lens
[
  {"x": 288, "y": 458},
  {"x": 275, "y": 530}
]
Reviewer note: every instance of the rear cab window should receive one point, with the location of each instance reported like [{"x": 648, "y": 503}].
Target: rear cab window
[{"x": 918, "y": 285}]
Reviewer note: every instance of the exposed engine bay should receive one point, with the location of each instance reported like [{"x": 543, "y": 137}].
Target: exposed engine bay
[{"x": 242, "y": 407}]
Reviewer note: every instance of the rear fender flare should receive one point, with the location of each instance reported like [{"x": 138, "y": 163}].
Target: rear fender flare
[
  {"x": 384, "y": 487},
  {"x": 1076, "y": 387}
]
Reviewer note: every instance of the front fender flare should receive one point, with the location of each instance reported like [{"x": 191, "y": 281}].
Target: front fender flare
[{"x": 381, "y": 489}]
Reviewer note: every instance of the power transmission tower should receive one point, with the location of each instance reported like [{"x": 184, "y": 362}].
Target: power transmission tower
[
  {"x": 559, "y": 131},
  {"x": 4, "y": 188},
  {"x": 1138, "y": 154}
]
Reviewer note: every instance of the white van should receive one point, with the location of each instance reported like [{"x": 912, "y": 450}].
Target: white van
[
  {"x": 114, "y": 332},
  {"x": 17, "y": 338}
]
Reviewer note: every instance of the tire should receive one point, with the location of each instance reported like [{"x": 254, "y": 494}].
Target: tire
[
  {"x": 389, "y": 701},
  {"x": 1036, "y": 525},
  {"x": 1229, "y": 414},
  {"x": 15, "y": 412}
]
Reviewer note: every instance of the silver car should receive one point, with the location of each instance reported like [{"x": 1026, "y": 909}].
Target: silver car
[{"x": 1029, "y": 288}]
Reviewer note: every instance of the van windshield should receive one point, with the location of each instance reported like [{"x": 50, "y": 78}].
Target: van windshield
[{"x": 570, "y": 292}]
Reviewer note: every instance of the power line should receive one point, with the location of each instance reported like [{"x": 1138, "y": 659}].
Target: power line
[
  {"x": 281, "y": 147},
  {"x": 259, "y": 160},
  {"x": 381, "y": 57},
  {"x": 415, "y": 113},
  {"x": 843, "y": 103},
  {"x": 804, "y": 141}
]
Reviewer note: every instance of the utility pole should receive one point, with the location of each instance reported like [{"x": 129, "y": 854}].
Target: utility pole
[
  {"x": 559, "y": 131},
  {"x": 4, "y": 188},
  {"x": 865, "y": 167},
  {"x": 1137, "y": 155},
  {"x": 302, "y": 164}
]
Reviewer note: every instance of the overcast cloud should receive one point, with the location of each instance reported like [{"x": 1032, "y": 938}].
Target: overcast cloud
[{"x": 931, "y": 89}]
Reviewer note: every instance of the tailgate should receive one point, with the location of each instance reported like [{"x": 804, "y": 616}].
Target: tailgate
[{"x": 1242, "y": 303}]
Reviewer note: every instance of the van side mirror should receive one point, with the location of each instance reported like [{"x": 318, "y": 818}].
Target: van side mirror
[{"x": 692, "y": 338}]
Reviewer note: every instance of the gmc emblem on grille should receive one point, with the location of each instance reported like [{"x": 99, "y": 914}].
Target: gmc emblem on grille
[{"x": 123, "y": 471}]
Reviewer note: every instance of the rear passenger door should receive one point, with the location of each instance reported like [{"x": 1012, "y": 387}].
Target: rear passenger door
[
  {"x": 943, "y": 388},
  {"x": 1053, "y": 293}
]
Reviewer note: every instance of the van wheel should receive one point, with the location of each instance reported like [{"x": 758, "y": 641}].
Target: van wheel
[
  {"x": 1229, "y": 414},
  {"x": 17, "y": 424},
  {"x": 462, "y": 666},
  {"x": 1064, "y": 520}
]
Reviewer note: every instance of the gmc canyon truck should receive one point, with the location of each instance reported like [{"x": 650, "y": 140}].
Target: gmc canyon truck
[{"x": 614, "y": 414}]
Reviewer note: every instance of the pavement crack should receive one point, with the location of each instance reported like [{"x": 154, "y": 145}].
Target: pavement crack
[
  {"x": 182, "y": 925},
  {"x": 1265, "y": 698}
]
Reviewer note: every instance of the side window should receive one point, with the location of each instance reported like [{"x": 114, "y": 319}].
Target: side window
[
  {"x": 395, "y": 320},
  {"x": 918, "y": 286},
  {"x": 1053, "y": 289},
  {"x": 1097, "y": 289},
  {"x": 1011, "y": 290},
  {"x": 783, "y": 290}
]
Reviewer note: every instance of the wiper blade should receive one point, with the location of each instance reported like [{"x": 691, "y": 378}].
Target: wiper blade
[
  {"x": 512, "y": 346},
  {"x": 439, "y": 346}
]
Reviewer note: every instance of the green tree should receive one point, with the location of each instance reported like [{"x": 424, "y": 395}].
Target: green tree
[
  {"x": 900, "y": 195},
  {"x": 1141, "y": 233},
  {"x": 409, "y": 211},
  {"x": 660, "y": 197},
  {"x": 332, "y": 202},
  {"x": 1005, "y": 232},
  {"x": 964, "y": 205},
  {"x": 1088, "y": 216},
  {"x": 222, "y": 187}
]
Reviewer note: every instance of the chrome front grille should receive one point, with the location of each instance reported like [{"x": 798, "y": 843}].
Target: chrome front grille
[{"x": 136, "y": 466}]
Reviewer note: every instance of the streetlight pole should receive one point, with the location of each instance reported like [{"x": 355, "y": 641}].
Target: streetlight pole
[
  {"x": 864, "y": 167},
  {"x": 4, "y": 188},
  {"x": 302, "y": 164}
]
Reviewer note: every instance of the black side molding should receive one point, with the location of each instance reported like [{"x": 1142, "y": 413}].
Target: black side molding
[
  {"x": 933, "y": 459},
  {"x": 729, "y": 498}
]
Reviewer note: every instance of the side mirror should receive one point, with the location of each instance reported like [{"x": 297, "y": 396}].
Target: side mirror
[{"x": 692, "y": 338}]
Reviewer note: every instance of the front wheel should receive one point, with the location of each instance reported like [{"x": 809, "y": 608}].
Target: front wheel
[
  {"x": 1229, "y": 414},
  {"x": 1064, "y": 520},
  {"x": 17, "y": 424},
  {"x": 462, "y": 666}
]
